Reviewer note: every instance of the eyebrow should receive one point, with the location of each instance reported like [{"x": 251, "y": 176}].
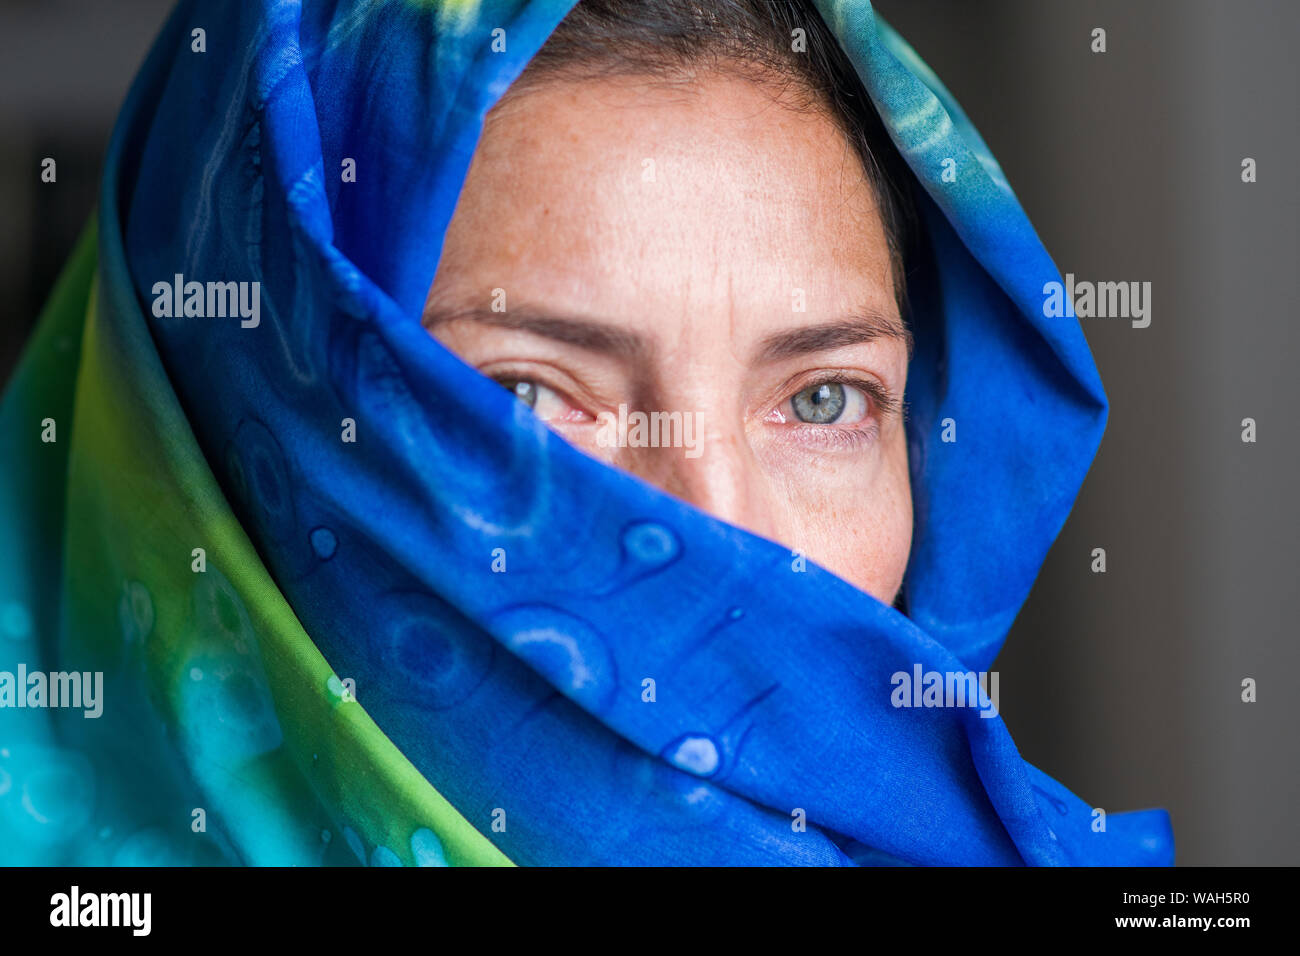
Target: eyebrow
[
  {"x": 866, "y": 327},
  {"x": 585, "y": 334},
  {"x": 601, "y": 337}
]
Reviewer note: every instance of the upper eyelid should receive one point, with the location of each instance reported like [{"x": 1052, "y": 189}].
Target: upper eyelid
[{"x": 880, "y": 395}]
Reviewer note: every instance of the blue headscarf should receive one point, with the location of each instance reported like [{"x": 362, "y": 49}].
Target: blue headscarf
[{"x": 772, "y": 736}]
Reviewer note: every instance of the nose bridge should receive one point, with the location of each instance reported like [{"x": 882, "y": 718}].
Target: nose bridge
[
  {"x": 716, "y": 472},
  {"x": 719, "y": 479},
  {"x": 701, "y": 378}
]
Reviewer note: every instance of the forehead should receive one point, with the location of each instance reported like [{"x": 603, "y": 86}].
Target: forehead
[{"x": 674, "y": 196}]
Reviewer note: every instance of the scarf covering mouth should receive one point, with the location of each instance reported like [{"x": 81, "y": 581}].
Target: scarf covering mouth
[{"x": 498, "y": 717}]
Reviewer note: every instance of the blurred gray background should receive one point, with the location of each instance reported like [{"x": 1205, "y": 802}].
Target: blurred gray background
[{"x": 1125, "y": 686}]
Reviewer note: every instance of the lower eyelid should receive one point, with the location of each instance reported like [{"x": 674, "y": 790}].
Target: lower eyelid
[{"x": 828, "y": 436}]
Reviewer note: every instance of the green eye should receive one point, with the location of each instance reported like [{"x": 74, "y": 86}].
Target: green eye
[{"x": 820, "y": 404}]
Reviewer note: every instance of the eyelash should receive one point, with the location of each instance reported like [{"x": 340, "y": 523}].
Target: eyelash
[
  {"x": 884, "y": 403},
  {"x": 851, "y": 436}
]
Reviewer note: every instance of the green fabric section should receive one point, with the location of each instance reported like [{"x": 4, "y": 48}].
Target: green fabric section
[
  {"x": 31, "y": 497},
  {"x": 278, "y": 756}
]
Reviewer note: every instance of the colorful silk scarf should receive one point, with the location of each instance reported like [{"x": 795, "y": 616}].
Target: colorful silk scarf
[{"x": 311, "y": 653}]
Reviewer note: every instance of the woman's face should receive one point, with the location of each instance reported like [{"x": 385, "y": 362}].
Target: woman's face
[{"x": 703, "y": 250}]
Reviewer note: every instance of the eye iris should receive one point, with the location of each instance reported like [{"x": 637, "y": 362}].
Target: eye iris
[
  {"x": 820, "y": 404},
  {"x": 526, "y": 392}
]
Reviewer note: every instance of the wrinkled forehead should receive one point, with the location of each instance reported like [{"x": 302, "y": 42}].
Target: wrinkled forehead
[{"x": 682, "y": 201}]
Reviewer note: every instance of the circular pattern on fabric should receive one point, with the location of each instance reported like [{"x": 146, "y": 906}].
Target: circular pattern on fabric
[
  {"x": 441, "y": 659},
  {"x": 337, "y": 691},
  {"x": 650, "y": 544},
  {"x": 427, "y": 848},
  {"x": 226, "y": 711},
  {"x": 695, "y": 753},
  {"x": 261, "y": 479},
  {"x": 219, "y": 613},
  {"x": 54, "y": 796},
  {"x": 564, "y": 649},
  {"x": 647, "y": 547},
  {"x": 323, "y": 542},
  {"x": 384, "y": 857}
]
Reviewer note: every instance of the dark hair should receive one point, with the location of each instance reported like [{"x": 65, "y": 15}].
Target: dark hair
[{"x": 665, "y": 37}]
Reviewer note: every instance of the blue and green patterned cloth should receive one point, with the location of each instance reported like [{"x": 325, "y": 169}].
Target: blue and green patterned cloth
[{"x": 307, "y": 657}]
